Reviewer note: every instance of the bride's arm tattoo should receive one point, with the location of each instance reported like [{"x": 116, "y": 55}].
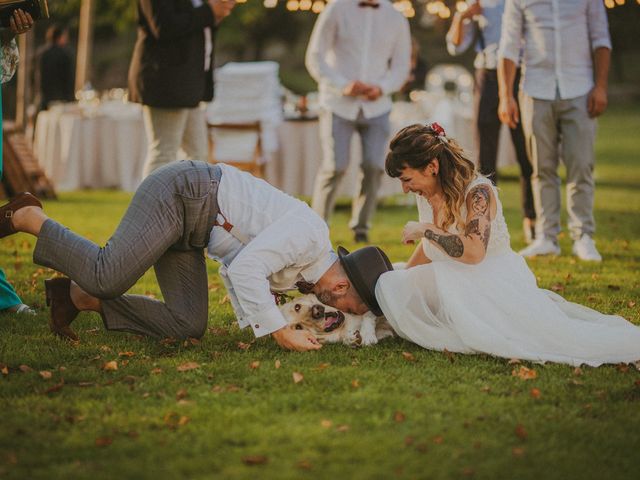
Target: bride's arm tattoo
[
  {"x": 451, "y": 244},
  {"x": 480, "y": 203}
]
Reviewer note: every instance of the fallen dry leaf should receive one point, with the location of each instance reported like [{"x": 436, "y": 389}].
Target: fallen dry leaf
[
  {"x": 185, "y": 367},
  {"x": 110, "y": 366},
  {"x": 126, "y": 354},
  {"x": 304, "y": 465},
  {"x": 297, "y": 377},
  {"x": 326, "y": 423},
  {"x": 342, "y": 428},
  {"x": 535, "y": 393},
  {"x": 355, "y": 383},
  {"x": 103, "y": 441},
  {"x": 524, "y": 373},
  {"x": 399, "y": 416},
  {"x": 450, "y": 356},
  {"x": 25, "y": 368},
  {"x": 55, "y": 388},
  {"x": 468, "y": 472},
  {"x": 277, "y": 364},
  {"x": 323, "y": 366},
  {"x": 156, "y": 371},
  {"x": 174, "y": 420},
  {"x": 520, "y": 432},
  {"x": 557, "y": 287},
  {"x": 631, "y": 304},
  {"x": 438, "y": 439},
  {"x": 46, "y": 374},
  {"x": 513, "y": 361},
  {"x": 254, "y": 460},
  {"x": 577, "y": 371},
  {"x": 254, "y": 365},
  {"x": 517, "y": 451},
  {"x": 182, "y": 393},
  {"x": 243, "y": 346},
  {"x": 408, "y": 440},
  {"x": 4, "y": 369},
  {"x": 224, "y": 300},
  {"x": 409, "y": 356}
]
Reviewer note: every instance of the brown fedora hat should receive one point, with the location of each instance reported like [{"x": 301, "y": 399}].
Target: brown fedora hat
[{"x": 363, "y": 267}]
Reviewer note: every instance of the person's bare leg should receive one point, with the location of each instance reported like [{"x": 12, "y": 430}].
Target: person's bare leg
[
  {"x": 29, "y": 220},
  {"x": 82, "y": 300}
]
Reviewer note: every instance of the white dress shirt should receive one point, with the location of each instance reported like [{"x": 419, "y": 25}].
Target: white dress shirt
[
  {"x": 282, "y": 241},
  {"x": 348, "y": 43},
  {"x": 559, "y": 38}
]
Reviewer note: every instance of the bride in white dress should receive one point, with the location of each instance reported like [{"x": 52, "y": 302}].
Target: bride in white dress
[{"x": 463, "y": 288}]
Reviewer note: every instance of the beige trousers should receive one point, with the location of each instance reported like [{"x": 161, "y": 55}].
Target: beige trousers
[
  {"x": 169, "y": 129},
  {"x": 561, "y": 129}
]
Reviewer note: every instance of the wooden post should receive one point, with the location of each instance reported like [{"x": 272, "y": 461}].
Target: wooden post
[
  {"x": 85, "y": 43},
  {"x": 23, "y": 86}
]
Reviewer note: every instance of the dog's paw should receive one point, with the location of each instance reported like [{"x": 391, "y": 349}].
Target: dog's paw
[
  {"x": 354, "y": 339},
  {"x": 369, "y": 338}
]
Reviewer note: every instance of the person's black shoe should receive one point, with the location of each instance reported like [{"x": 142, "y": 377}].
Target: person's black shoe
[{"x": 361, "y": 237}]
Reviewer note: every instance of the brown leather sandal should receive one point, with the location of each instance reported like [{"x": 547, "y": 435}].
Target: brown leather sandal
[
  {"x": 63, "y": 311},
  {"x": 24, "y": 199}
]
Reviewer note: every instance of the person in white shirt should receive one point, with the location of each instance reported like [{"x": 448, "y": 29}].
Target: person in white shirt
[
  {"x": 480, "y": 26},
  {"x": 359, "y": 53},
  {"x": 265, "y": 240},
  {"x": 567, "y": 52}
]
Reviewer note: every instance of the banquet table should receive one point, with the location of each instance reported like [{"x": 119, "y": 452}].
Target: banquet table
[
  {"x": 105, "y": 147},
  {"x": 91, "y": 146}
]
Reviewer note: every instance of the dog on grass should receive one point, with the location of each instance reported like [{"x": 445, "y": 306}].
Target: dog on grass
[{"x": 330, "y": 325}]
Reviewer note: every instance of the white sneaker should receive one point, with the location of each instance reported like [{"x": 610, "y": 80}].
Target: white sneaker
[
  {"x": 585, "y": 249},
  {"x": 540, "y": 246}
]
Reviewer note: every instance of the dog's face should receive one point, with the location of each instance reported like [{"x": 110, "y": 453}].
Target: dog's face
[{"x": 306, "y": 313}]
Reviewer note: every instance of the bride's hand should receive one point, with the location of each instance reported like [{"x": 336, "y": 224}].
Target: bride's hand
[{"x": 413, "y": 231}]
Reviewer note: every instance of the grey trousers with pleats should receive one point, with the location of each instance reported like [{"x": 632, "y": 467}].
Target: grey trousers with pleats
[{"x": 167, "y": 226}]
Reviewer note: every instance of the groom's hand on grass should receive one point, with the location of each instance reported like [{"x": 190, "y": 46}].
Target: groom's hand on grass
[{"x": 298, "y": 340}]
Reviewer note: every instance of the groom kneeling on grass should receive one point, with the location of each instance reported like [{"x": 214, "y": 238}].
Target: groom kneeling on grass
[{"x": 265, "y": 240}]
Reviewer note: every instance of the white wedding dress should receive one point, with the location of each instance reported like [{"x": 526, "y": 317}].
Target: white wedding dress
[{"x": 495, "y": 307}]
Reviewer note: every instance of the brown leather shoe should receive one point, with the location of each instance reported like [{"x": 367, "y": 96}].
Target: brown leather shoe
[
  {"x": 63, "y": 311},
  {"x": 24, "y": 199}
]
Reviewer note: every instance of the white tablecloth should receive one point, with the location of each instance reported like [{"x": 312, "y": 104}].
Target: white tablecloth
[
  {"x": 100, "y": 147},
  {"x": 296, "y": 163}
]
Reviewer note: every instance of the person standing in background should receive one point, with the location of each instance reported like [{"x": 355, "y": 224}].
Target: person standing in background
[
  {"x": 480, "y": 25},
  {"x": 9, "y": 56},
  {"x": 567, "y": 52},
  {"x": 171, "y": 72},
  {"x": 55, "y": 71},
  {"x": 359, "y": 53}
]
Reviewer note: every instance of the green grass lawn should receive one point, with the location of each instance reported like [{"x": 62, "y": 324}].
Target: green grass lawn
[{"x": 392, "y": 411}]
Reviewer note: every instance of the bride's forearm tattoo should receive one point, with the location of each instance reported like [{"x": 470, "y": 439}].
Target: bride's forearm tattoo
[
  {"x": 480, "y": 203},
  {"x": 473, "y": 228},
  {"x": 451, "y": 244}
]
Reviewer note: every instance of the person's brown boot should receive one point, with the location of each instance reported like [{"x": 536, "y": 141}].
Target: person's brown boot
[
  {"x": 63, "y": 311},
  {"x": 7, "y": 211}
]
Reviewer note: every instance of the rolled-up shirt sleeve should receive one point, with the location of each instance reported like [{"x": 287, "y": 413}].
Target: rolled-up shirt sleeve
[
  {"x": 468, "y": 34},
  {"x": 321, "y": 41},
  {"x": 286, "y": 242},
  {"x": 512, "y": 31},
  {"x": 598, "y": 25}
]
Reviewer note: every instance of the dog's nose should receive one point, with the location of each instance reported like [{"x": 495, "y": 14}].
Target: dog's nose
[{"x": 317, "y": 311}]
